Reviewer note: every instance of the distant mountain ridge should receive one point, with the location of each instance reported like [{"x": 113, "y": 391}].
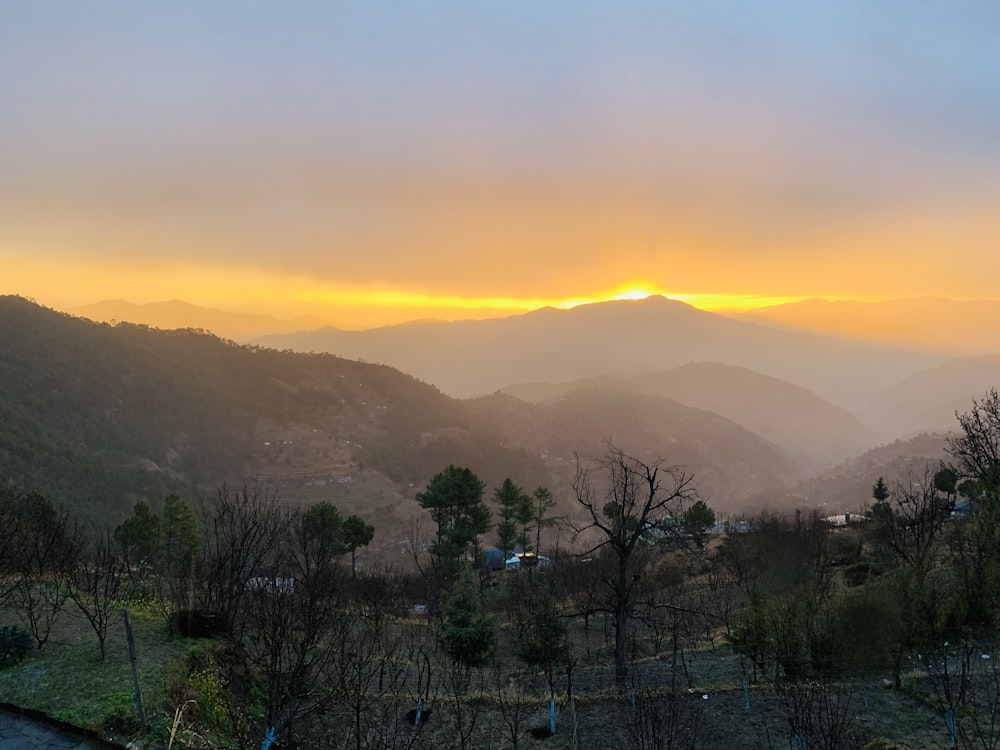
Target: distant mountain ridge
[
  {"x": 848, "y": 486},
  {"x": 622, "y": 338},
  {"x": 173, "y": 314},
  {"x": 929, "y": 399},
  {"x": 812, "y": 431}
]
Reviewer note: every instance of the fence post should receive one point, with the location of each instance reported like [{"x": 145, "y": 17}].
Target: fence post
[{"x": 135, "y": 670}]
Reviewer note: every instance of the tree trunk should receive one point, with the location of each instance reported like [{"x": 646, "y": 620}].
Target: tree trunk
[{"x": 621, "y": 623}]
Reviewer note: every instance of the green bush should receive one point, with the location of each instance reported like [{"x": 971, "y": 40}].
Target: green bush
[
  {"x": 117, "y": 709},
  {"x": 15, "y": 644}
]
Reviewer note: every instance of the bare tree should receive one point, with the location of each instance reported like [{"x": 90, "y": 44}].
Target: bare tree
[
  {"x": 370, "y": 665},
  {"x": 10, "y": 532},
  {"x": 627, "y": 500},
  {"x": 292, "y": 630},
  {"x": 977, "y": 449},
  {"x": 243, "y": 533},
  {"x": 513, "y": 701},
  {"x": 96, "y": 585},
  {"x": 965, "y": 677},
  {"x": 819, "y": 715},
  {"x": 976, "y": 540},
  {"x": 661, "y": 720},
  {"x": 41, "y": 557},
  {"x": 910, "y": 521}
]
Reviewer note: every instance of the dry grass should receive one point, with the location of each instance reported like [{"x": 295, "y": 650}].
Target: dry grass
[{"x": 68, "y": 680}]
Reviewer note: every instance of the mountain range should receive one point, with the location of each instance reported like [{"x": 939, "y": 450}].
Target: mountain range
[
  {"x": 100, "y": 415},
  {"x": 620, "y": 338},
  {"x": 813, "y": 432}
]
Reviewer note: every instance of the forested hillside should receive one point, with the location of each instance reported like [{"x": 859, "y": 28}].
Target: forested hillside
[{"x": 98, "y": 416}]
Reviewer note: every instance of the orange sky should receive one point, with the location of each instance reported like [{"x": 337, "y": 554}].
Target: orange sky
[{"x": 375, "y": 163}]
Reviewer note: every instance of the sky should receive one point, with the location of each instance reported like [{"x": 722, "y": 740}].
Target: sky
[{"x": 374, "y": 162}]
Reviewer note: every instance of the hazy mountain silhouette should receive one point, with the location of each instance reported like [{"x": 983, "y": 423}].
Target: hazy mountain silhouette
[
  {"x": 927, "y": 400},
  {"x": 729, "y": 462},
  {"x": 924, "y": 323},
  {"x": 848, "y": 486},
  {"x": 812, "y": 431},
  {"x": 172, "y": 314},
  {"x": 466, "y": 358}
]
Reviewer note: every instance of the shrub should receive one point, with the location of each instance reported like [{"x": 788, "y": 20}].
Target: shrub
[{"x": 15, "y": 644}]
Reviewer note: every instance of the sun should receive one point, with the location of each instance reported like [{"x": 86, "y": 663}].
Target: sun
[{"x": 634, "y": 293}]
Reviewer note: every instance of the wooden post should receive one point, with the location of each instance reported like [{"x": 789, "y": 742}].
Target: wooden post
[{"x": 135, "y": 670}]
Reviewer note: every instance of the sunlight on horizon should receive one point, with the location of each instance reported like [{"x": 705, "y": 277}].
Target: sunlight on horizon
[
  {"x": 73, "y": 284},
  {"x": 410, "y": 300}
]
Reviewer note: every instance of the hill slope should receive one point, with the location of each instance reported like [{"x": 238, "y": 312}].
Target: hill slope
[
  {"x": 812, "y": 431},
  {"x": 729, "y": 462},
  {"x": 98, "y": 416},
  {"x": 848, "y": 486},
  {"x": 928, "y": 400},
  {"x": 173, "y": 314}
]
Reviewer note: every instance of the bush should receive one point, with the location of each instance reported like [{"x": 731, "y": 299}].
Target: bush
[
  {"x": 15, "y": 644},
  {"x": 227, "y": 701}
]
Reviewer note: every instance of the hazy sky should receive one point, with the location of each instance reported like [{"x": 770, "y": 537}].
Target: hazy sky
[{"x": 441, "y": 157}]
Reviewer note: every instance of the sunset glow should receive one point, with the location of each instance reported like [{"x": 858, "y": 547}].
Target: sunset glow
[
  {"x": 71, "y": 283},
  {"x": 372, "y": 168}
]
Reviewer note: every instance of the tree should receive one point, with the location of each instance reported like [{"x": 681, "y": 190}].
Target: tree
[
  {"x": 455, "y": 499},
  {"x": 524, "y": 514},
  {"x": 977, "y": 449},
  {"x": 96, "y": 585},
  {"x": 624, "y": 498},
  {"x": 321, "y": 531},
  {"x": 178, "y": 543},
  {"x": 356, "y": 534},
  {"x": 880, "y": 491},
  {"x": 910, "y": 521},
  {"x": 466, "y": 633},
  {"x": 292, "y": 635},
  {"x": 545, "y": 644},
  {"x": 976, "y": 541},
  {"x": 10, "y": 532},
  {"x": 697, "y": 520},
  {"x": 511, "y": 501},
  {"x": 138, "y": 536},
  {"x": 244, "y": 537},
  {"x": 178, "y": 552},
  {"x": 946, "y": 481},
  {"x": 42, "y": 556},
  {"x": 909, "y": 526},
  {"x": 542, "y": 503}
]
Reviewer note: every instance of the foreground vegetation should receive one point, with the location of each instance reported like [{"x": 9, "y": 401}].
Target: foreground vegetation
[{"x": 252, "y": 620}]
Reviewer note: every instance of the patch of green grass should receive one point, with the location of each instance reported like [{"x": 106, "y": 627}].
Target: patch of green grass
[{"x": 67, "y": 678}]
